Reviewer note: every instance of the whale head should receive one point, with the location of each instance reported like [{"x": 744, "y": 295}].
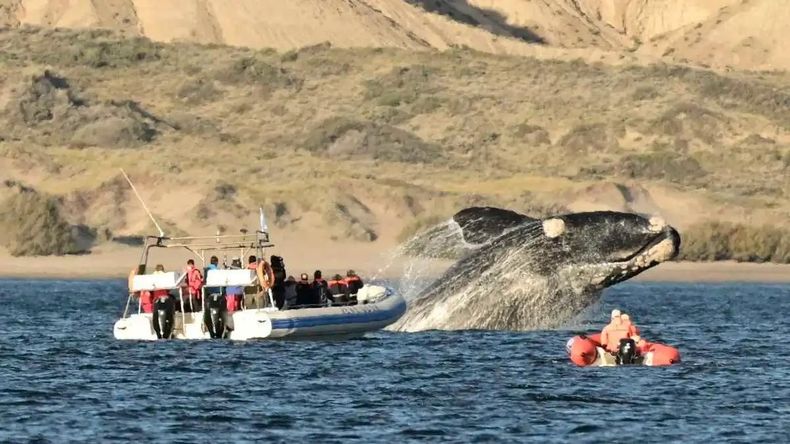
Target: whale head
[{"x": 521, "y": 273}]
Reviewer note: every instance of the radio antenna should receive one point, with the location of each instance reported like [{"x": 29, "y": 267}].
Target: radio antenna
[{"x": 161, "y": 233}]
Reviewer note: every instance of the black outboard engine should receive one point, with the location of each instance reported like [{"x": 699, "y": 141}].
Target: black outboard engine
[
  {"x": 626, "y": 353},
  {"x": 164, "y": 317},
  {"x": 214, "y": 316}
]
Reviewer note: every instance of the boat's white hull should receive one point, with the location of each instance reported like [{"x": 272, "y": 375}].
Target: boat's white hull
[{"x": 336, "y": 322}]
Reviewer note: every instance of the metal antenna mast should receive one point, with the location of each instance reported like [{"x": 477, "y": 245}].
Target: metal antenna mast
[{"x": 161, "y": 233}]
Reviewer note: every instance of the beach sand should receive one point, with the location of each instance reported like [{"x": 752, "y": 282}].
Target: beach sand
[{"x": 115, "y": 261}]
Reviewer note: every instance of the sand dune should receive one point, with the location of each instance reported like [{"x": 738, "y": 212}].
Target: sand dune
[{"x": 722, "y": 33}]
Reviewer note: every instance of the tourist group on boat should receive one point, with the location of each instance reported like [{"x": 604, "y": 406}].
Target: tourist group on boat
[{"x": 274, "y": 288}]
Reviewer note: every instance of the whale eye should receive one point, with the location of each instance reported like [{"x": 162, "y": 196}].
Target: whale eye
[
  {"x": 553, "y": 227},
  {"x": 657, "y": 224}
]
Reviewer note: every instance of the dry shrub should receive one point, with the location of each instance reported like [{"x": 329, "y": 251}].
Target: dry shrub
[
  {"x": 49, "y": 111},
  {"x": 592, "y": 137},
  {"x": 349, "y": 138},
  {"x": 532, "y": 134},
  {"x": 94, "y": 49},
  {"x": 691, "y": 120},
  {"x": 258, "y": 71},
  {"x": 402, "y": 85},
  {"x": 197, "y": 91},
  {"x": 665, "y": 165},
  {"x": 714, "y": 241},
  {"x": 33, "y": 226}
]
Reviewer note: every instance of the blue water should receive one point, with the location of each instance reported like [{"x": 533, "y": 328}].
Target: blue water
[{"x": 64, "y": 378}]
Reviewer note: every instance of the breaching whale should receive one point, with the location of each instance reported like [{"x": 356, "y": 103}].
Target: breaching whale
[{"x": 522, "y": 273}]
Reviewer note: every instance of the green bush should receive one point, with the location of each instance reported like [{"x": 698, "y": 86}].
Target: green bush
[
  {"x": 112, "y": 54},
  {"x": 716, "y": 241},
  {"x": 33, "y": 226}
]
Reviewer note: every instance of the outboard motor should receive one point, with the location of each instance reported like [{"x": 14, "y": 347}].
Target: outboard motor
[
  {"x": 626, "y": 353},
  {"x": 164, "y": 317},
  {"x": 214, "y": 316}
]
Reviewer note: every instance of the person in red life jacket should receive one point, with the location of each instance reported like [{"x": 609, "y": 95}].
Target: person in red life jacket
[
  {"x": 194, "y": 285},
  {"x": 146, "y": 298},
  {"x": 614, "y": 332},
  {"x": 234, "y": 295},
  {"x": 353, "y": 282},
  {"x": 339, "y": 289},
  {"x": 320, "y": 290}
]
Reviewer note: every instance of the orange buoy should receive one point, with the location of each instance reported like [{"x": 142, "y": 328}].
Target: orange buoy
[{"x": 581, "y": 350}]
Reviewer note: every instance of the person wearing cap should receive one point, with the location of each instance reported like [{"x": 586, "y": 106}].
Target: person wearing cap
[
  {"x": 304, "y": 291},
  {"x": 614, "y": 332}
]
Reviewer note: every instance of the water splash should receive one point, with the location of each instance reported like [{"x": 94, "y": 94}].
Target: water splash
[{"x": 490, "y": 287}]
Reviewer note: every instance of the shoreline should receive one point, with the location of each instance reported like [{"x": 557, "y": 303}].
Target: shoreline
[{"x": 116, "y": 263}]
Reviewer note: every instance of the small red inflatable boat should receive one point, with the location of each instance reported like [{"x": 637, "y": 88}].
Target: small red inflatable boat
[{"x": 586, "y": 350}]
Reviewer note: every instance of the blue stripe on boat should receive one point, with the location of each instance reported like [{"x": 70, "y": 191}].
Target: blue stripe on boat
[{"x": 321, "y": 320}]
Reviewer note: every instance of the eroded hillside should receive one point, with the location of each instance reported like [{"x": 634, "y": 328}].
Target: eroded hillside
[{"x": 739, "y": 34}]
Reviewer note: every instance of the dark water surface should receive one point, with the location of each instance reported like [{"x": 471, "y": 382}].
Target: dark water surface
[{"x": 64, "y": 378}]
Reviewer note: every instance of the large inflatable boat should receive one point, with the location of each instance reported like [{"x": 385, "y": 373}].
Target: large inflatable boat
[
  {"x": 171, "y": 313},
  {"x": 377, "y": 308},
  {"x": 586, "y": 351}
]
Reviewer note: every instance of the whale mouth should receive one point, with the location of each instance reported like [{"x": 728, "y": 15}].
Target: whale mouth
[{"x": 663, "y": 247}]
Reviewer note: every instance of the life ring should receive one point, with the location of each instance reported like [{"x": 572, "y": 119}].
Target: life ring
[{"x": 265, "y": 274}]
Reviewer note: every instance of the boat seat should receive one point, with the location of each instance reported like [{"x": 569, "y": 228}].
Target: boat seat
[
  {"x": 231, "y": 278},
  {"x": 158, "y": 281}
]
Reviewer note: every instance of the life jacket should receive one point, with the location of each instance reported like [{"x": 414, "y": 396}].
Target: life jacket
[
  {"x": 160, "y": 293},
  {"x": 338, "y": 286},
  {"x": 612, "y": 334},
  {"x": 146, "y": 301},
  {"x": 353, "y": 283},
  {"x": 194, "y": 281}
]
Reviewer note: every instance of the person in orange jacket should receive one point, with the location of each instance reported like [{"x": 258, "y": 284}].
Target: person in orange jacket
[
  {"x": 194, "y": 284},
  {"x": 614, "y": 332},
  {"x": 353, "y": 282}
]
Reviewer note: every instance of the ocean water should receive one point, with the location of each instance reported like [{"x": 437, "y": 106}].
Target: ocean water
[{"x": 63, "y": 378}]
